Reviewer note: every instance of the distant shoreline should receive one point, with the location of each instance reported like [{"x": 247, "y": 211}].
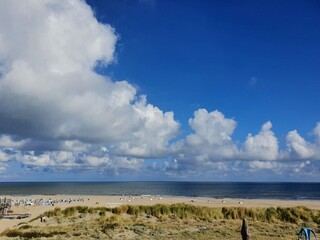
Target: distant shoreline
[
  {"x": 217, "y": 190},
  {"x": 163, "y": 196}
]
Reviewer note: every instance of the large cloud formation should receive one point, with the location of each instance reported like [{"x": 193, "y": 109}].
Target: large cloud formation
[
  {"x": 210, "y": 151},
  {"x": 56, "y": 112},
  {"x": 211, "y": 140},
  {"x": 263, "y": 146},
  {"x": 52, "y": 99}
]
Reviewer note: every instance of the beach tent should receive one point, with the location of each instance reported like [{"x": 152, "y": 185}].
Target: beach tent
[{"x": 306, "y": 233}]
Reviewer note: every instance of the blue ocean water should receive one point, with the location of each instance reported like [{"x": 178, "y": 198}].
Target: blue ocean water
[{"x": 294, "y": 191}]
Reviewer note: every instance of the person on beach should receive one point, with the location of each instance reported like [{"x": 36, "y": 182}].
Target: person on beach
[
  {"x": 43, "y": 219},
  {"x": 245, "y": 230}
]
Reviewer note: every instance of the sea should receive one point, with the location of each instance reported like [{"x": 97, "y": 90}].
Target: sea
[{"x": 243, "y": 190}]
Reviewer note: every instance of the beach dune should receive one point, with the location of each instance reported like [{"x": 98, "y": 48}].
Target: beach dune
[{"x": 64, "y": 201}]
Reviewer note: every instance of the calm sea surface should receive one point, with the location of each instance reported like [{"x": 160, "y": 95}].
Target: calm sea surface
[{"x": 307, "y": 191}]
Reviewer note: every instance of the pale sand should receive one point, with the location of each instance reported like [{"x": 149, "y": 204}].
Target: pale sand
[{"x": 103, "y": 201}]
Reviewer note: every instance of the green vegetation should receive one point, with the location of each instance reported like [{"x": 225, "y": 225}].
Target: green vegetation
[
  {"x": 178, "y": 221},
  {"x": 185, "y": 211},
  {"x": 31, "y": 234}
]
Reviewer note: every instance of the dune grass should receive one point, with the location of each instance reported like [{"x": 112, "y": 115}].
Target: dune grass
[
  {"x": 177, "y": 221},
  {"x": 186, "y": 211}
]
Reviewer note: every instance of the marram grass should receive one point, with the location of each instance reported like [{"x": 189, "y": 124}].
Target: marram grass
[
  {"x": 177, "y": 221},
  {"x": 186, "y": 211}
]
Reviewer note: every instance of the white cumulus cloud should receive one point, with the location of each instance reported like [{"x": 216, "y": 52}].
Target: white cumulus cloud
[
  {"x": 299, "y": 148},
  {"x": 4, "y": 156},
  {"x": 256, "y": 165},
  {"x": 8, "y": 142},
  {"x": 211, "y": 140},
  {"x": 263, "y": 146},
  {"x": 316, "y": 133},
  {"x": 51, "y": 97}
]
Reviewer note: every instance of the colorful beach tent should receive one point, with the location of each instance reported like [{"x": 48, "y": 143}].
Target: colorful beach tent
[{"x": 306, "y": 233}]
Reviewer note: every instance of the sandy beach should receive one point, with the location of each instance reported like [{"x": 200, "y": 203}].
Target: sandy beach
[{"x": 64, "y": 201}]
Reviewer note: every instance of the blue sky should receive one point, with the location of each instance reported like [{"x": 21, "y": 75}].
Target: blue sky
[
  {"x": 158, "y": 90},
  {"x": 241, "y": 57}
]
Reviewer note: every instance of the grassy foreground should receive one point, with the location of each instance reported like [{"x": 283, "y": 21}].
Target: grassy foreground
[{"x": 178, "y": 221}]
